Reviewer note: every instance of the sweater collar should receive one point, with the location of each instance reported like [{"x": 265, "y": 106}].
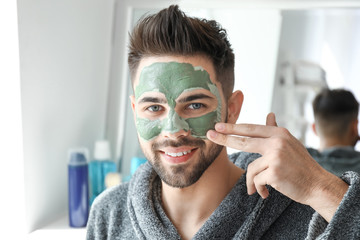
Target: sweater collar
[{"x": 235, "y": 217}]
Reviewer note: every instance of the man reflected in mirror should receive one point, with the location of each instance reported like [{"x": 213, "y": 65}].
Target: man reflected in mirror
[{"x": 336, "y": 125}]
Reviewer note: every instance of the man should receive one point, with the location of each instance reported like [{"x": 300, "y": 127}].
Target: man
[
  {"x": 182, "y": 72},
  {"x": 336, "y": 124}
]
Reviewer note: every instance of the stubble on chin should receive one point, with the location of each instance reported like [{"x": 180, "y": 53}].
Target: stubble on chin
[{"x": 183, "y": 175}]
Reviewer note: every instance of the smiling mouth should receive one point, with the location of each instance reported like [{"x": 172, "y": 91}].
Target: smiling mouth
[
  {"x": 178, "y": 157},
  {"x": 178, "y": 154}
]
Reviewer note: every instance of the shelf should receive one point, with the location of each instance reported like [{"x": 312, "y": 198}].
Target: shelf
[{"x": 58, "y": 229}]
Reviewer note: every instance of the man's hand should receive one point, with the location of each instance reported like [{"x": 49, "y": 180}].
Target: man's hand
[{"x": 285, "y": 165}]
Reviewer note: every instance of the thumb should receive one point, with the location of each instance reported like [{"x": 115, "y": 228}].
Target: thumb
[{"x": 271, "y": 120}]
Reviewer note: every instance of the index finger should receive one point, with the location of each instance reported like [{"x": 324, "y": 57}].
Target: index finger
[
  {"x": 246, "y": 130},
  {"x": 254, "y": 145}
]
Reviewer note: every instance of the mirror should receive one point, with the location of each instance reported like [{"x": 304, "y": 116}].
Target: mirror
[{"x": 317, "y": 48}]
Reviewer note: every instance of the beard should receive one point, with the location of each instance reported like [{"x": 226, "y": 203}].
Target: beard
[{"x": 183, "y": 175}]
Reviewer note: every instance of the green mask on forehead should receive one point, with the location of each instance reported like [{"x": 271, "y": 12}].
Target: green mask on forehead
[{"x": 172, "y": 79}]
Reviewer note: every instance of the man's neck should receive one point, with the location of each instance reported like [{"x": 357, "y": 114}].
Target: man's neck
[
  {"x": 333, "y": 142},
  {"x": 188, "y": 208}
]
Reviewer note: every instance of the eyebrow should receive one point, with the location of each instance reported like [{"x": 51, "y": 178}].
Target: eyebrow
[
  {"x": 152, "y": 100},
  {"x": 194, "y": 97}
]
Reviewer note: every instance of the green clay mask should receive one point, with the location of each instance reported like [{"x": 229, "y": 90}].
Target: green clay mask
[{"x": 173, "y": 79}]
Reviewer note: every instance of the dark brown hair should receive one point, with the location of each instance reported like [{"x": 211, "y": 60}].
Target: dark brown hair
[
  {"x": 334, "y": 110},
  {"x": 171, "y": 32}
]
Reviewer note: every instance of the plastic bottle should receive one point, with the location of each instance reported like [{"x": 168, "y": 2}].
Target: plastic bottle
[
  {"x": 137, "y": 161},
  {"x": 99, "y": 167},
  {"x": 78, "y": 187}
]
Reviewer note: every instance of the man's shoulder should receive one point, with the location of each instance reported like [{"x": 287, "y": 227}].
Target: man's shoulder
[
  {"x": 112, "y": 198},
  {"x": 313, "y": 152},
  {"x": 109, "y": 215},
  {"x": 243, "y": 159},
  {"x": 338, "y": 155}
]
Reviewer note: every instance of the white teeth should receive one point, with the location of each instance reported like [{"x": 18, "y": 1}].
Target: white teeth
[{"x": 179, "y": 154}]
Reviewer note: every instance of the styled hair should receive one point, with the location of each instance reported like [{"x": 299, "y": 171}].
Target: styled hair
[
  {"x": 171, "y": 33},
  {"x": 334, "y": 110}
]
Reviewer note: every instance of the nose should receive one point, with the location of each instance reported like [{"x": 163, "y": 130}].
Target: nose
[{"x": 175, "y": 126}]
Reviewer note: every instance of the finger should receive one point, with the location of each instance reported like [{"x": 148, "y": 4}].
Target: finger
[
  {"x": 254, "y": 169},
  {"x": 271, "y": 119},
  {"x": 248, "y": 130},
  {"x": 255, "y": 145},
  {"x": 260, "y": 182}
]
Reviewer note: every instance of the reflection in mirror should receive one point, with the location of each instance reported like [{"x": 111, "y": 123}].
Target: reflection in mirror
[{"x": 317, "y": 48}]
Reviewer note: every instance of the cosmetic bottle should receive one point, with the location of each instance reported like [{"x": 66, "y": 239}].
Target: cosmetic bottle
[
  {"x": 78, "y": 187},
  {"x": 137, "y": 161},
  {"x": 99, "y": 167}
]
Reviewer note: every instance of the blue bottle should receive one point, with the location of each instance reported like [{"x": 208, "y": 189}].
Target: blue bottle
[
  {"x": 78, "y": 187},
  {"x": 135, "y": 163},
  {"x": 99, "y": 167}
]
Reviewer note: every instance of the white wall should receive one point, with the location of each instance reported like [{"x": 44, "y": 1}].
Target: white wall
[
  {"x": 254, "y": 35},
  {"x": 65, "y": 60},
  {"x": 12, "y": 201}
]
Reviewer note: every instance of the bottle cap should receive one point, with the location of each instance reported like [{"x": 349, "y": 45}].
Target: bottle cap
[
  {"x": 102, "y": 150},
  {"x": 78, "y": 156}
]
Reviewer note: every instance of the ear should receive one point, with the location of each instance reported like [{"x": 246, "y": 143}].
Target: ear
[
  {"x": 313, "y": 126},
  {"x": 354, "y": 127},
  {"x": 132, "y": 99},
  {"x": 234, "y": 106}
]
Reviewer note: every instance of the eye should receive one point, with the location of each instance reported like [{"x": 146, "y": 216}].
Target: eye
[
  {"x": 195, "y": 106},
  {"x": 155, "y": 108}
]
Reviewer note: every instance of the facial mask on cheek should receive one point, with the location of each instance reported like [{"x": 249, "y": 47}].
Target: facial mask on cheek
[
  {"x": 172, "y": 79},
  {"x": 149, "y": 129},
  {"x": 200, "y": 125}
]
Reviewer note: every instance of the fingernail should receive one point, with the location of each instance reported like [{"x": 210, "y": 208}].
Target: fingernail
[
  {"x": 213, "y": 134},
  {"x": 220, "y": 126}
]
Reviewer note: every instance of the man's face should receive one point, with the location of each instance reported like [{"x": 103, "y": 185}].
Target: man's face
[{"x": 176, "y": 102}]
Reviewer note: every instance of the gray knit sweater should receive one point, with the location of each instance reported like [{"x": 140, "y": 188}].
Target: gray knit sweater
[{"x": 133, "y": 211}]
